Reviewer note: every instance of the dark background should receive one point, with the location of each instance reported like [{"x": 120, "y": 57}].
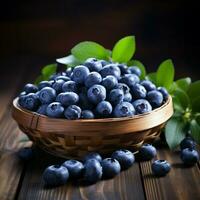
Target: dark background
[{"x": 35, "y": 33}]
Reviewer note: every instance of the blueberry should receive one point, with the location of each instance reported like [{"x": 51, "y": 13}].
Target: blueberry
[
  {"x": 29, "y": 101},
  {"x": 124, "y": 157},
  {"x": 187, "y": 142},
  {"x": 64, "y": 78},
  {"x": 123, "y": 68},
  {"x": 47, "y": 95},
  {"x": 138, "y": 91},
  {"x": 72, "y": 112},
  {"x": 148, "y": 85},
  {"x": 130, "y": 79},
  {"x": 55, "y": 110},
  {"x": 69, "y": 71},
  {"x": 87, "y": 114},
  {"x": 67, "y": 98},
  {"x": 25, "y": 153},
  {"x": 111, "y": 167},
  {"x": 155, "y": 98},
  {"x": 93, "y": 64},
  {"x": 189, "y": 156},
  {"x": 164, "y": 92},
  {"x": 84, "y": 102},
  {"x": 116, "y": 96},
  {"x": 104, "y": 63},
  {"x": 30, "y": 88},
  {"x": 92, "y": 79},
  {"x": 123, "y": 87},
  {"x": 92, "y": 171},
  {"x": 109, "y": 82},
  {"x": 96, "y": 94},
  {"x": 57, "y": 85},
  {"x": 74, "y": 167},
  {"x": 70, "y": 86},
  {"x": 142, "y": 106},
  {"x": 92, "y": 155},
  {"x": 43, "y": 84},
  {"x": 147, "y": 152},
  {"x": 128, "y": 97},
  {"x": 55, "y": 175},
  {"x": 134, "y": 70},
  {"x": 80, "y": 73},
  {"x": 110, "y": 69},
  {"x": 160, "y": 167},
  {"x": 104, "y": 108},
  {"x": 42, "y": 109},
  {"x": 124, "y": 109}
]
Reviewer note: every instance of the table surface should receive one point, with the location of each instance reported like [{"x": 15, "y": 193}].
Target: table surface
[{"x": 22, "y": 180}]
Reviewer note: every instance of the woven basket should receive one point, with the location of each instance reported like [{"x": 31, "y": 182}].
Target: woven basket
[{"x": 75, "y": 138}]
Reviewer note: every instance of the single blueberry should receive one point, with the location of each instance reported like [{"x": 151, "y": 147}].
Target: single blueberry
[
  {"x": 123, "y": 87},
  {"x": 57, "y": 85},
  {"x": 42, "y": 109},
  {"x": 25, "y": 153},
  {"x": 124, "y": 157},
  {"x": 123, "y": 68},
  {"x": 155, "y": 98},
  {"x": 67, "y": 98},
  {"x": 93, "y": 64},
  {"x": 128, "y": 97},
  {"x": 92, "y": 155},
  {"x": 109, "y": 82},
  {"x": 47, "y": 95},
  {"x": 80, "y": 73},
  {"x": 116, "y": 96},
  {"x": 138, "y": 91},
  {"x": 64, "y": 78},
  {"x": 72, "y": 112},
  {"x": 29, "y": 101},
  {"x": 187, "y": 142},
  {"x": 87, "y": 114},
  {"x": 164, "y": 92},
  {"x": 55, "y": 110},
  {"x": 96, "y": 94},
  {"x": 142, "y": 106},
  {"x": 30, "y": 88},
  {"x": 92, "y": 171},
  {"x": 55, "y": 175},
  {"x": 70, "y": 86},
  {"x": 130, "y": 79},
  {"x": 189, "y": 156},
  {"x": 104, "y": 108},
  {"x": 147, "y": 152},
  {"x": 134, "y": 70},
  {"x": 111, "y": 167},
  {"x": 111, "y": 69},
  {"x": 92, "y": 79},
  {"x": 148, "y": 85},
  {"x": 74, "y": 167},
  {"x": 43, "y": 84},
  {"x": 124, "y": 109},
  {"x": 160, "y": 167}
]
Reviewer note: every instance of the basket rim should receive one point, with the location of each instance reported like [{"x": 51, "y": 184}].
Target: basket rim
[{"x": 25, "y": 111}]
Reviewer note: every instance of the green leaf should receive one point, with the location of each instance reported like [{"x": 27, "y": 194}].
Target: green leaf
[
  {"x": 165, "y": 74},
  {"x": 48, "y": 70},
  {"x": 89, "y": 49},
  {"x": 177, "y": 105},
  {"x": 39, "y": 79},
  {"x": 195, "y": 130},
  {"x": 174, "y": 132},
  {"x": 138, "y": 64},
  {"x": 151, "y": 77},
  {"x": 193, "y": 90},
  {"x": 182, "y": 97},
  {"x": 196, "y": 104},
  {"x": 124, "y": 49},
  {"x": 173, "y": 88},
  {"x": 68, "y": 60},
  {"x": 184, "y": 83}
]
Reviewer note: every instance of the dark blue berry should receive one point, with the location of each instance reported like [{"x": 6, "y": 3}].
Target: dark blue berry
[
  {"x": 43, "y": 84},
  {"x": 111, "y": 69},
  {"x": 123, "y": 87},
  {"x": 55, "y": 110},
  {"x": 30, "y": 88},
  {"x": 92, "y": 79},
  {"x": 87, "y": 114},
  {"x": 187, "y": 142},
  {"x": 138, "y": 91},
  {"x": 109, "y": 82},
  {"x": 147, "y": 152},
  {"x": 64, "y": 78},
  {"x": 123, "y": 68},
  {"x": 155, "y": 98},
  {"x": 93, "y": 155},
  {"x": 80, "y": 73},
  {"x": 42, "y": 109},
  {"x": 93, "y": 64},
  {"x": 160, "y": 167},
  {"x": 134, "y": 70},
  {"x": 104, "y": 108},
  {"x": 124, "y": 109},
  {"x": 128, "y": 97},
  {"x": 148, "y": 85},
  {"x": 70, "y": 86},
  {"x": 116, "y": 96},
  {"x": 72, "y": 112},
  {"x": 25, "y": 153},
  {"x": 164, "y": 92},
  {"x": 47, "y": 95},
  {"x": 57, "y": 85},
  {"x": 142, "y": 106},
  {"x": 130, "y": 79},
  {"x": 67, "y": 98},
  {"x": 189, "y": 156}
]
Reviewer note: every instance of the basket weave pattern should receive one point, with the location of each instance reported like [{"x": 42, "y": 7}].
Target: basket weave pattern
[{"x": 74, "y": 139}]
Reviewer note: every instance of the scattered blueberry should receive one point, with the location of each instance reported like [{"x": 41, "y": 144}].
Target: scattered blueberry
[
  {"x": 124, "y": 109},
  {"x": 189, "y": 156},
  {"x": 160, "y": 167},
  {"x": 72, "y": 112},
  {"x": 125, "y": 158},
  {"x": 142, "y": 106},
  {"x": 147, "y": 152},
  {"x": 187, "y": 142},
  {"x": 47, "y": 95},
  {"x": 155, "y": 98},
  {"x": 55, "y": 110},
  {"x": 93, "y": 155},
  {"x": 111, "y": 167}
]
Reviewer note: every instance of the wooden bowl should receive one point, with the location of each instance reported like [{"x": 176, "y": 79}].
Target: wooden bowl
[{"x": 75, "y": 138}]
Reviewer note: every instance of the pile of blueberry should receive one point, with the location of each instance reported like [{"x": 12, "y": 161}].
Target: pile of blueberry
[{"x": 96, "y": 89}]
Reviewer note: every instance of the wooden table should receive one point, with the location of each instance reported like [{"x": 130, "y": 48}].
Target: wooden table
[{"x": 22, "y": 180}]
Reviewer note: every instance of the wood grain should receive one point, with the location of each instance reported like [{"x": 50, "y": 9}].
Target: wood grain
[{"x": 181, "y": 183}]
